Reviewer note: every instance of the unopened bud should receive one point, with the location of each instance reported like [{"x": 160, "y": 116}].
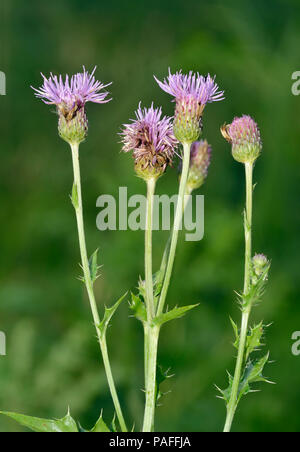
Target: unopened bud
[
  {"x": 244, "y": 136},
  {"x": 73, "y": 126},
  {"x": 199, "y": 163},
  {"x": 260, "y": 266}
]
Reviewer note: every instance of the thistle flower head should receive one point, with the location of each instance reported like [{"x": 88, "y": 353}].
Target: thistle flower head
[
  {"x": 192, "y": 92},
  {"x": 70, "y": 96},
  {"x": 244, "y": 135},
  {"x": 260, "y": 267},
  {"x": 199, "y": 163},
  {"x": 150, "y": 137}
]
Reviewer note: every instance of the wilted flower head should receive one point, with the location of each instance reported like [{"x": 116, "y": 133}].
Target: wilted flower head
[
  {"x": 70, "y": 96},
  {"x": 192, "y": 92},
  {"x": 199, "y": 163},
  {"x": 244, "y": 136},
  {"x": 260, "y": 266},
  {"x": 150, "y": 137}
]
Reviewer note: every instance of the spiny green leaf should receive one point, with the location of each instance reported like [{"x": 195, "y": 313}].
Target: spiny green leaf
[
  {"x": 100, "y": 426},
  {"x": 226, "y": 392},
  {"x": 108, "y": 313},
  {"x": 93, "y": 266},
  {"x": 236, "y": 333},
  {"x": 113, "y": 424},
  {"x": 252, "y": 374},
  {"x": 254, "y": 339},
  {"x": 257, "y": 290},
  {"x": 175, "y": 313},
  {"x": 138, "y": 308},
  {"x": 158, "y": 279},
  {"x": 74, "y": 196},
  {"x": 141, "y": 289},
  {"x": 161, "y": 376},
  {"x": 66, "y": 424}
]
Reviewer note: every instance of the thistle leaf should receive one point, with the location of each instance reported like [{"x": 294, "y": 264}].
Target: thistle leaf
[
  {"x": 108, "y": 313},
  {"x": 64, "y": 425},
  {"x": 252, "y": 374},
  {"x": 113, "y": 424},
  {"x": 100, "y": 426},
  {"x": 138, "y": 308},
  {"x": 93, "y": 266},
  {"x": 175, "y": 313},
  {"x": 254, "y": 296},
  {"x": 236, "y": 333},
  {"x": 161, "y": 376},
  {"x": 254, "y": 339},
  {"x": 226, "y": 392}
]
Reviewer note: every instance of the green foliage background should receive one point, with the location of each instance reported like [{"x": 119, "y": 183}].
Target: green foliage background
[{"x": 52, "y": 355}]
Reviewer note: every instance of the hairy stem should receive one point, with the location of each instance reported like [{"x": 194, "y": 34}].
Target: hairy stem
[
  {"x": 233, "y": 401},
  {"x": 150, "y": 345},
  {"x": 89, "y": 283},
  {"x": 148, "y": 250},
  {"x": 153, "y": 335},
  {"x": 151, "y": 331},
  {"x": 177, "y": 223}
]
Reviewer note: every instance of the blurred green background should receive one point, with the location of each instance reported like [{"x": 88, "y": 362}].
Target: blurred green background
[{"x": 52, "y": 356}]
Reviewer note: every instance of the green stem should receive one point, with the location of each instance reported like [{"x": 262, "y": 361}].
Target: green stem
[
  {"x": 152, "y": 332},
  {"x": 153, "y": 335},
  {"x": 233, "y": 401},
  {"x": 177, "y": 223},
  {"x": 89, "y": 283},
  {"x": 149, "y": 351},
  {"x": 148, "y": 249}
]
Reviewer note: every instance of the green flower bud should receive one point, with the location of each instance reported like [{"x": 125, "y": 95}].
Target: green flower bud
[
  {"x": 199, "y": 163},
  {"x": 188, "y": 121},
  {"x": 73, "y": 125},
  {"x": 260, "y": 266},
  {"x": 244, "y": 136}
]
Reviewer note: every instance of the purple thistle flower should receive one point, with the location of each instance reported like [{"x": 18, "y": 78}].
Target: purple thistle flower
[
  {"x": 70, "y": 96},
  {"x": 150, "y": 137},
  {"x": 183, "y": 87},
  {"x": 81, "y": 88},
  {"x": 244, "y": 135},
  {"x": 192, "y": 92}
]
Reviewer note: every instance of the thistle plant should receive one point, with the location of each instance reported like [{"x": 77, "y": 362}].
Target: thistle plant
[
  {"x": 154, "y": 140},
  {"x": 244, "y": 136},
  {"x": 70, "y": 97}
]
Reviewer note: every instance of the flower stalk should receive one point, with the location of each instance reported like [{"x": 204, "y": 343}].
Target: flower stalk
[
  {"x": 148, "y": 249},
  {"x": 77, "y": 202},
  {"x": 177, "y": 223},
  {"x": 152, "y": 331},
  {"x": 152, "y": 335},
  {"x": 233, "y": 401}
]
